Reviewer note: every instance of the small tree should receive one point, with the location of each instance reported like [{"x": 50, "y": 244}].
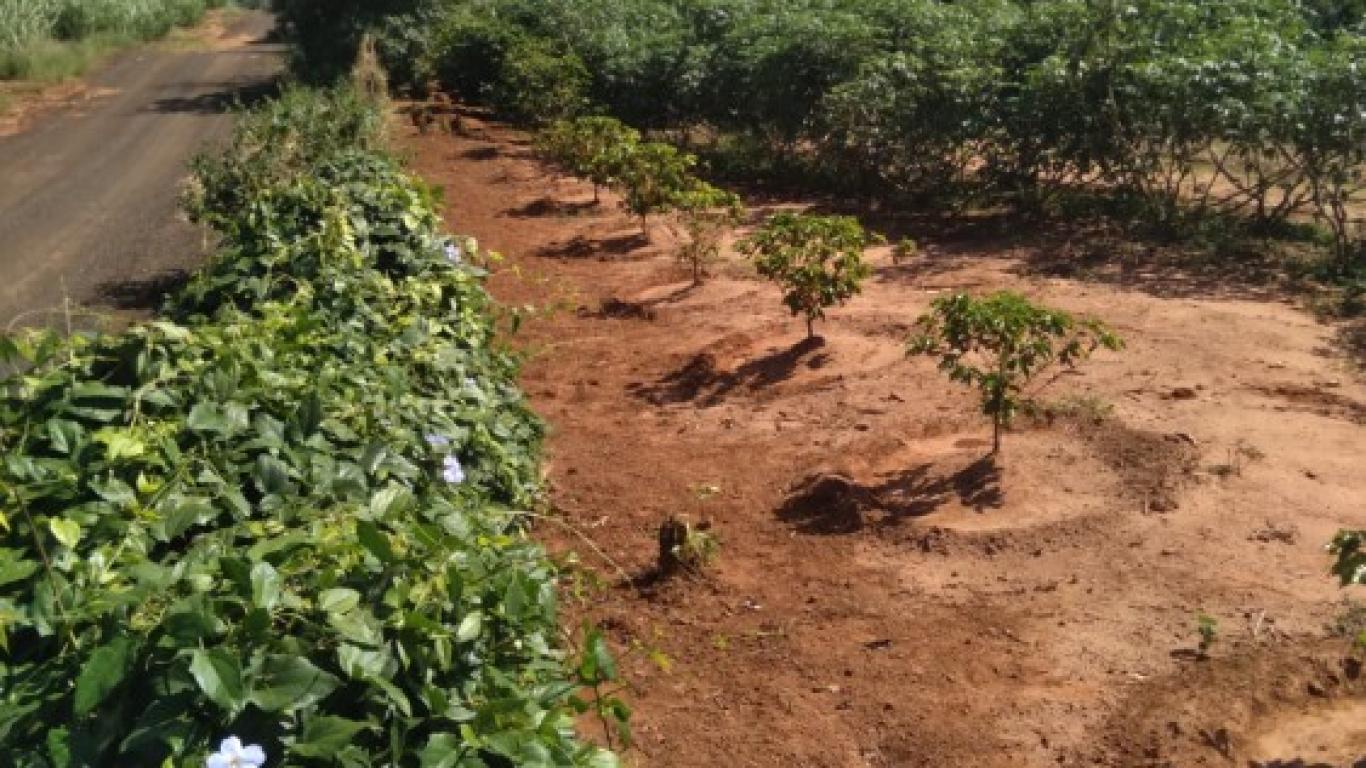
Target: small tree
[
  {"x": 653, "y": 178},
  {"x": 706, "y": 213},
  {"x": 816, "y": 260},
  {"x": 595, "y": 148},
  {"x": 999, "y": 343}
]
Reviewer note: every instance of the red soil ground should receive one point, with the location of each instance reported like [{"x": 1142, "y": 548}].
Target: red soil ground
[{"x": 882, "y": 597}]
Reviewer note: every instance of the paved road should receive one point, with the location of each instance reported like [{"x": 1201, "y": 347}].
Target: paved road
[{"x": 88, "y": 195}]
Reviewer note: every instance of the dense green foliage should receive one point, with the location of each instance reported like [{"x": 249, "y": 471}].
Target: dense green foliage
[
  {"x": 999, "y": 343},
  {"x": 1250, "y": 109},
  {"x": 816, "y": 260},
  {"x": 288, "y": 510}
]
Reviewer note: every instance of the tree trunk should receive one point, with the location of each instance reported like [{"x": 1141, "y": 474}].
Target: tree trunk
[
  {"x": 810, "y": 328},
  {"x": 996, "y": 436}
]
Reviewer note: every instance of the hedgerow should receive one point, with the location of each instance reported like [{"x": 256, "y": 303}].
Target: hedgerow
[
  {"x": 1248, "y": 115},
  {"x": 289, "y": 510}
]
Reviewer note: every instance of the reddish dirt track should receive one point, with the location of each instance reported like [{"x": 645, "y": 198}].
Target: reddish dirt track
[{"x": 884, "y": 598}]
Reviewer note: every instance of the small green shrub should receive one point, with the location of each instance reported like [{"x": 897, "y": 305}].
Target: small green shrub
[
  {"x": 595, "y": 148},
  {"x": 706, "y": 214},
  {"x": 1207, "y": 629},
  {"x": 998, "y": 344},
  {"x": 653, "y": 178},
  {"x": 905, "y": 249},
  {"x": 816, "y": 260}
]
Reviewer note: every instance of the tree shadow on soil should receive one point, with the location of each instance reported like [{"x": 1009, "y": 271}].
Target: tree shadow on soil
[
  {"x": 700, "y": 382},
  {"x": 584, "y": 247},
  {"x": 548, "y": 206},
  {"x": 613, "y": 308},
  {"x": 481, "y": 153},
  {"x": 827, "y": 504},
  {"x": 145, "y": 293}
]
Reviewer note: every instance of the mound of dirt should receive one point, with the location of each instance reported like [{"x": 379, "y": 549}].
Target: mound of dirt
[
  {"x": 1155, "y": 467},
  {"x": 828, "y": 503}
]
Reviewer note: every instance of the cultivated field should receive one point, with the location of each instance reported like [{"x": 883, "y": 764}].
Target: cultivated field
[{"x": 883, "y": 595}]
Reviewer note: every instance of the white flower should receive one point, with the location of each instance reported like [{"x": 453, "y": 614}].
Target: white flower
[
  {"x": 438, "y": 441},
  {"x": 231, "y": 754},
  {"x": 452, "y": 472},
  {"x": 453, "y": 253}
]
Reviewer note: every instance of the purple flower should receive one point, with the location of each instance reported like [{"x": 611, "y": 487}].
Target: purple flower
[
  {"x": 438, "y": 441},
  {"x": 452, "y": 472},
  {"x": 231, "y": 754}
]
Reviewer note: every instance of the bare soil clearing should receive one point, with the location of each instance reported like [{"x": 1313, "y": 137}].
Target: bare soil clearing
[{"x": 883, "y": 597}]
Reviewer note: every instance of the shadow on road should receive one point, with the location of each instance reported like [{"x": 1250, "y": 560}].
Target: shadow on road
[{"x": 228, "y": 97}]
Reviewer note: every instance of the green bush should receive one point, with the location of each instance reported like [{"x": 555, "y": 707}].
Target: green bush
[
  {"x": 289, "y": 512},
  {"x": 816, "y": 260},
  {"x": 652, "y": 179},
  {"x": 706, "y": 213},
  {"x": 999, "y": 343},
  {"x": 537, "y": 84},
  {"x": 596, "y": 148}
]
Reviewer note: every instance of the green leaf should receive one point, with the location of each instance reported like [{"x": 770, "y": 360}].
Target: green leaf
[
  {"x": 67, "y": 532},
  {"x": 64, "y": 435},
  {"x": 219, "y": 676},
  {"x": 13, "y": 568},
  {"x": 470, "y": 627},
  {"x": 179, "y": 514},
  {"x": 340, "y": 600},
  {"x": 290, "y": 683},
  {"x": 324, "y": 736},
  {"x": 395, "y": 695},
  {"x": 265, "y": 585},
  {"x": 597, "y": 665},
  {"x": 272, "y": 475},
  {"x": 120, "y": 443},
  {"x": 103, "y": 672},
  {"x": 443, "y": 750},
  {"x": 217, "y": 419},
  {"x": 390, "y": 499},
  {"x": 374, "y": 540}
]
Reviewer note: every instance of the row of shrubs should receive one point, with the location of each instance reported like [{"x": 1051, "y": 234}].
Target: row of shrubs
[
  {"x": 652, "y": 178},
  {"x": 289, "y": 510},
  {"x": 1191, "y": 112}
]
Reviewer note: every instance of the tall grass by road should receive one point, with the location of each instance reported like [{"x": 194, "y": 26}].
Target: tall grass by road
[{"x": 49, "y": 40}]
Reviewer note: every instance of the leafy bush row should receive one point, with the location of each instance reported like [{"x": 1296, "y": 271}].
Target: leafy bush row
[
  {"x": 288, "y": 511},
  {"x": 1254, "y": 108},
  {"x": 652, "y": 177}
]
